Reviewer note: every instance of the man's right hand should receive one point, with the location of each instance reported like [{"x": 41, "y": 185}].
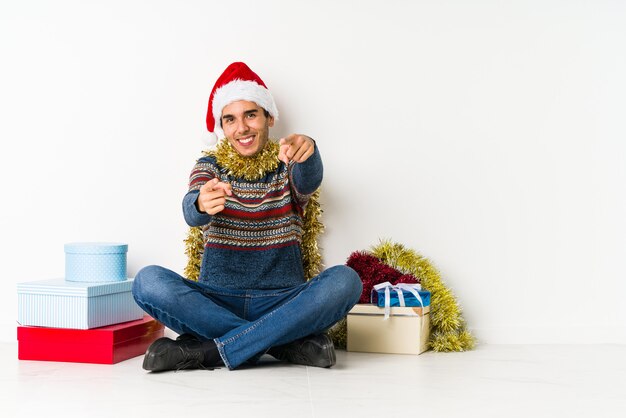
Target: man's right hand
[{"x": 212, "y": 196}]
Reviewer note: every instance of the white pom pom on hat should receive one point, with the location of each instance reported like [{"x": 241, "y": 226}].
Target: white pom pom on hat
[
  {"x": 237, "y": 82},
  {"x": 209, "y": 139}
]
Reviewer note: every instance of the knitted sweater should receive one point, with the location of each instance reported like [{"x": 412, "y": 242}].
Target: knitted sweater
[{"x": 254, "y": 243}]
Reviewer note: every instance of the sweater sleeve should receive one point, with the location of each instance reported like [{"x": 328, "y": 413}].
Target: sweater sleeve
[
  {"x": 203, "y": 171},
  {"x": 192, "y": 215},
  {"x": 306, "y": 177}
]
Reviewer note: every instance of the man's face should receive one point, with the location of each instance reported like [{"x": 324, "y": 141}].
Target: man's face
[{"x": 246, "y": 127}]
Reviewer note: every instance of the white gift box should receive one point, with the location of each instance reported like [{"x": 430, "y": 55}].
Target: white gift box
[
  {"x": 405, "y": 331},
  {"x": 58, "y": 303}
]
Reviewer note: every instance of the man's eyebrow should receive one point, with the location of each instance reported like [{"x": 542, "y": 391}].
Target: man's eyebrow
[{"x": 247, "y": 112}]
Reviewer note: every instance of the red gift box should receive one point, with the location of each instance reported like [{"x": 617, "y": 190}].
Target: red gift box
[{"x": 105, "y": 345}]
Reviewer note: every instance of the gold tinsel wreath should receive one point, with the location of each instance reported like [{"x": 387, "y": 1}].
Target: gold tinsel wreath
[
  {"x": 449, "y": 332},
  {"x": 251, "y": 169}
]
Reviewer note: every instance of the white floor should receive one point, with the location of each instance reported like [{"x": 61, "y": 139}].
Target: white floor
[{"x": 491, "y": 381}]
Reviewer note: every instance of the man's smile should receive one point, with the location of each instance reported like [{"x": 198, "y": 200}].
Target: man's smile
[{"x": 246, "y": 140}]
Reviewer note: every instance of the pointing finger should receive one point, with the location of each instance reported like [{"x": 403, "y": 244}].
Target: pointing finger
[
  {"x": 209, "y": 185},
  {"x": 282, "y": 156},
  {"x": 227, "y": 188},
  {"x": 288, "y": 140}
]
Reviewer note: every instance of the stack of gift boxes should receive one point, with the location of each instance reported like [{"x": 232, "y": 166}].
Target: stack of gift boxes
[
  {"x": 90, "y": 316},
  {"x": 396, "y": 321}
]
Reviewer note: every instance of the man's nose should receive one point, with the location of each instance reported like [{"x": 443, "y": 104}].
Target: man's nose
[{"x": 242, "y": 127}]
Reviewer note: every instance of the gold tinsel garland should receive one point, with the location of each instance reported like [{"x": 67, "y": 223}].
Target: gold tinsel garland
[
  {"x": 449, "y": 331},
  {"x": 251, "y": 169},
  {"x": 194, "y": 249}
]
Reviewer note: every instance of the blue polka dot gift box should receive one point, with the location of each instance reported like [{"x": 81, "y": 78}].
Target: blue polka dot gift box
[
  {"x": 58, "y": 303},
  {"x": 95, "y": 262}
]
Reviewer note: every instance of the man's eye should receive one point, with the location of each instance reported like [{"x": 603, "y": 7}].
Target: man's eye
[
  {"x": 228, "y": 120},
  {"x": 251, "y": 115}
]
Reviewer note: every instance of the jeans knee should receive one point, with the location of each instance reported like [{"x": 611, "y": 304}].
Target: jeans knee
[
  {"x": 347, "y": 282},
  {"x": 145, "y": 282}
]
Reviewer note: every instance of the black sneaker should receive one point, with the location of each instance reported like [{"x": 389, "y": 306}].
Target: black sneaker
[
  {"x": 315, "y": 350},
  {"x": 186, "y": 353}
]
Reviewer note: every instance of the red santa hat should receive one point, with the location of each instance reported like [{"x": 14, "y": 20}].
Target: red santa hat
[{"x": 237, "y": 82}]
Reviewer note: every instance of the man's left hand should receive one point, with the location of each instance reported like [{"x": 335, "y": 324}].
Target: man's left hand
[{"x": 296, "y": 148}]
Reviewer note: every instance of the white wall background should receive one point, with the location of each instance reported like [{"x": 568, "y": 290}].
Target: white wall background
[{"x": 487, "y": 135}]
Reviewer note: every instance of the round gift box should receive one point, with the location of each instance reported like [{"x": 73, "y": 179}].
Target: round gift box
[{"x": 95, "y": 262}]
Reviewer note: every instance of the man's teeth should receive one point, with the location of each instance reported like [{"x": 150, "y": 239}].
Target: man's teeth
[{"x": 247, "y": 140}]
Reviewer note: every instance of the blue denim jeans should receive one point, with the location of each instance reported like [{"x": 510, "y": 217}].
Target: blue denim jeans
[{"x": 246, "y": 323}]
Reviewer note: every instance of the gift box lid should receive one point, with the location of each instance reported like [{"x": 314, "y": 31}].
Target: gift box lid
[
  {"x": 378, "y": 297},
  {"x": 63, "y": 287},
  {"x": 373, "y": 310},
  {"x": 96, "y": 248}
]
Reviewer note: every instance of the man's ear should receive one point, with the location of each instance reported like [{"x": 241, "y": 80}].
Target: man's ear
[{"x": 270, "y": 121}]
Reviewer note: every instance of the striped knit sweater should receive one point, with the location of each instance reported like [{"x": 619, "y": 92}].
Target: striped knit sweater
[{"x": 254, "y": 243}]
